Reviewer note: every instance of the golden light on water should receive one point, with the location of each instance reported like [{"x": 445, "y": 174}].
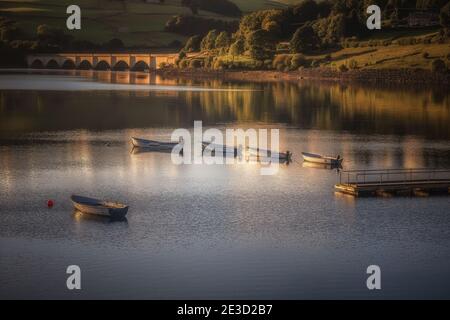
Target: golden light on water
[
  {"x": 5, "y": 175},
  {"x": 412, "y": 158}
]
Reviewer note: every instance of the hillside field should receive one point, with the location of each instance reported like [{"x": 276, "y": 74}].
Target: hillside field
[
  {"x": 390, "y": 57},
  {"x": 136, "y": 23}
]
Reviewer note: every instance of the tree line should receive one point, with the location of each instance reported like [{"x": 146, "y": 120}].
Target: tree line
[{"x": 306, "y": 28}]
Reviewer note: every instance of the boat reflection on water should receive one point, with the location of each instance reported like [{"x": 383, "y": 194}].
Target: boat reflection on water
[
  {"x": 79, "y": 216},
  {"x": 137, "y": 150},
  {"x": 322, "y": 166},
  {"x": 252, "y": 158},
  {"x": 240, "y": 158}
]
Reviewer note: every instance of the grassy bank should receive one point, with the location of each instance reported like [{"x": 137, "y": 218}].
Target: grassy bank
[
  {"x": 389, "y": 57},
  {"x": 393, "y": 56}
]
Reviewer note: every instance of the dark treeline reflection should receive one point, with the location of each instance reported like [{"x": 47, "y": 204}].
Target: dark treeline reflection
[{"x": 352, "y": 108}]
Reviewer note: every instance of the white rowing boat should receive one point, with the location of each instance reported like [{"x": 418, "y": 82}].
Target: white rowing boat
[
  {"x": 152, "y": 144},
  {"x": 227, "y": 150},
  {"x": 317, "y": 158},
  {"x": 99, "y": 207},
  {"x": 282, "y": 156}
]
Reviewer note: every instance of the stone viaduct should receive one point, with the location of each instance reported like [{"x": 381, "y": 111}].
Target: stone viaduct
[{"x": 101, "y": 61}]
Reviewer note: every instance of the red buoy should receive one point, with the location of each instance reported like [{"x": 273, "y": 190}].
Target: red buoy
[{"x": 50, "y": 203}]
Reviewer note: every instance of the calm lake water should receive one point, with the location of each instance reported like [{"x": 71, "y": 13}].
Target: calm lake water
[{"x": 212, "y": 231}]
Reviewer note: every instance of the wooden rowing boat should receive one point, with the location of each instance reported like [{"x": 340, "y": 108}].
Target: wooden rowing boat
[
  {"x": 152, "y": 144},
  {"x": 227, "y": 150},
  {"x": 99, "y": 207},
  {"x": 260, "y": 159},
  {"x": 317, "y": 158},
  {"x": 282, "y": 156}
]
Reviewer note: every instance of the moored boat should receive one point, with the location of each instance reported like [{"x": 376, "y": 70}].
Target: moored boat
[
  {"x": 99, "y": 207},
  {"x": 262, "y": 159},
  {"x": 282, "y": 156},
  {"x": 152, "y": 144},
  {"x": 287, "y": 156},
  {"x": 227, "y": 150},
  {"x": 317, "y": 158}
]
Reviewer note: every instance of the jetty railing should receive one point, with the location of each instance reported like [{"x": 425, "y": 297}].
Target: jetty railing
[{"x": 361, "y": 177}]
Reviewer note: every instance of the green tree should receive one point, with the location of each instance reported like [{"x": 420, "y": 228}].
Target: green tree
[
  {"x": 257, "y": 53},
  {"x": 209, "y": 41},
  {"x": 307, "y": 10},
  {"x": 257, "y": 38},
  {"x": 193, "y": 44},
  {"x": 273, "y": 21},
  {"x": 222, "y": 40},
  {"x": 49, "y": 35},
  {"x": 272, "y": 27},
  {"x": 44, "y": 32},
  {"x": 304, "y": 39},
  {"x": 237, "y": 48},
  {"x": 324, "y": 8},
  {"x": 260, "y": 44},
  {"x": 257, "y": 20},
  {"x": 330, "y": 30}
]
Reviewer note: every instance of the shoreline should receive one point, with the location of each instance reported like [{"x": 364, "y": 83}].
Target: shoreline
[
  {"x": 383, "y": 77},
  {"x": 368, "y": 76}
]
